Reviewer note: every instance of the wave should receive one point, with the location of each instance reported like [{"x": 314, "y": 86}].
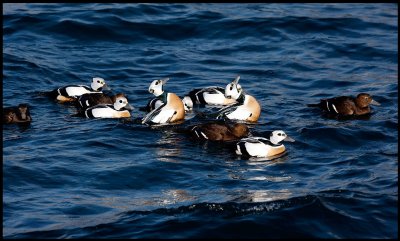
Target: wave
[{"x": 231, "y": 220}]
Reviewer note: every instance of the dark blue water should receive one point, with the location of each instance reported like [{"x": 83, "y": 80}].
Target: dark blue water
[{"x": 68, "y": 177}]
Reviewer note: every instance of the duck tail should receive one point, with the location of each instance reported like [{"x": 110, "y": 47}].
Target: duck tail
[
  {"x": 80, "y": 113},
  {"x": 51, "y": 94},
  {"x": 313, "y": 105}
]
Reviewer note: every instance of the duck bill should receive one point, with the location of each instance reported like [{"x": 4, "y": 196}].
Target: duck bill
[
  {"x": 105, "y": 87},
  {"x": 128, "y": 107},
  {"x": 374, "y": 102},
  {"x": 164, "y": 81},
  {"x": 236, "y": 80},
  {"x": 289, "y": 139}
]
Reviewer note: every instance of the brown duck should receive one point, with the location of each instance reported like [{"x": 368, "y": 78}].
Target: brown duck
[
  {"x": 18, "y": 114},
  {"x": 347, "y": 105},
  {"x": 219, "y": 131}
]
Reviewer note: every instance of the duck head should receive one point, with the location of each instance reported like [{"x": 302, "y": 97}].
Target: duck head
[
  {"x": 23, "y": 112},
  {"x": 187, "y": 103},
  {"x": 279, "y": 136},
  {"x": 233, "y": 90},
  {"x": 156, "y": 87},
  {"x": 99, "y": 84},
  {"x": 239, "y": 130},
  {"x": 363, "y": 100},
  {"x": 121, "y": 102}
]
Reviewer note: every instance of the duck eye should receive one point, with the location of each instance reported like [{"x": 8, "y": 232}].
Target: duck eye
[
  {"x": 98, "y": 81},
  {"x": 231, "y": 87},
  {"x": 120, "y": 101},
  {"x": 279, "y": 134},
  {"x": 157, "y": 82}
]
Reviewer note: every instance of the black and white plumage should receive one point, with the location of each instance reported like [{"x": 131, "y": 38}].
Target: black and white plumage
[
  {"x": 152, "y": 104},
  {"x": 119, "y": 109},
  {"x": 157, "y": 88},
  {"x": 246, "y": 107},
  {"x": 88, "y": 100},
  {"x": 72, "y": 92},
  {"x": 261, "y": 146},
  {"x": 171, "y": 109},
  {"x": 212, "y": 95},
  {"x": 157, "y": 102}
]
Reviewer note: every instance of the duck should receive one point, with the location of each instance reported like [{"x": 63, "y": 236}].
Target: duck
[
  {"x": 17, "y": 114},
  {"x": 214, "y": 131},
  {"x": 347, "y": 105},
  {"x": 70, "y": 93},
  {"x": 172, "y": 109},
  {"x": 212, "y": 95},
  {"x": 156, "y": 88},
  {"x": 247, "y": 107},
  {"x": 119, "y": 109},
  {"x": 91, "y": 99},
  {"x": 263, "y": 147}
]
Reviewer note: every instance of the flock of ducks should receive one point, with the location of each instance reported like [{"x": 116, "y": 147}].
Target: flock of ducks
[{"x": 228, "y": 124}]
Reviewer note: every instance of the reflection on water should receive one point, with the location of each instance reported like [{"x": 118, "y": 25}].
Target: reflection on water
[
  {"x": 268, "y": 161},
  {"x": 170, "y": 196},
  {"x": 16, "y": 128},
  {"x": 168, "y": 147},
  {"x": 173, "y": 196},
  {"x": 167, "y": 155},
  {"x": 261, "y": 195},
  {"x": 270, "y": 178}
]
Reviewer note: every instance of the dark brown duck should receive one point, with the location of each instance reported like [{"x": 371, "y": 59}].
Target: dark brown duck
[
  {"x": 219, "y": 131},
  {"x": 347, "y": 105},
  {"x": 18, "y": 114}
]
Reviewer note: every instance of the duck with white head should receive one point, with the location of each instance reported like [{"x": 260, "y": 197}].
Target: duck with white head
[
  {"x": 263, "y": 147},
  {"x": 156, "y": 88},
  {"x": 247, "y": 107},
  {"x": 119, "y": 109},
  {"x": 171, "y": 108}
]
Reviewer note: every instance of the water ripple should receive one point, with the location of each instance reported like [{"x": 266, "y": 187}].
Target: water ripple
[{"x": 70, "y": 177}]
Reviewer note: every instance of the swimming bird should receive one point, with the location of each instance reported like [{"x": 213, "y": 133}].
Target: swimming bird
[
  {"x": 246, "y": 109},
  {"x": 263, "y": 147},
  {"x": 19, "y": 114},
  {"x": 119, "y": 109},
  {"x": 347, "y": 105},
  {"x": 172, "y": 109},
  {"x": 70, "y": 93},
  {"x": 215, "y": 131},
  {"x": 212, "y": 95},
  {"x": 156, "y": 88},
  {"x": 91, "y": 99}
]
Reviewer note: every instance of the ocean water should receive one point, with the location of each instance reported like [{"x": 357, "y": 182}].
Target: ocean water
[{"x": 70, "y": 177}]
